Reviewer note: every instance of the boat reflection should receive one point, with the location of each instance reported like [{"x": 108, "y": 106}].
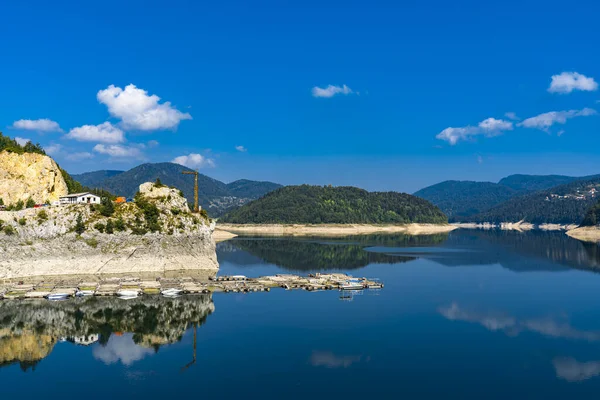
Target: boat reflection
[{"x": 120, "y": 331}]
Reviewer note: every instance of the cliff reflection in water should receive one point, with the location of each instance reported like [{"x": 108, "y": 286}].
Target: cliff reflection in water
[
  {"x": 307, "y": 254},
  {"x": 125, "y": 331}
]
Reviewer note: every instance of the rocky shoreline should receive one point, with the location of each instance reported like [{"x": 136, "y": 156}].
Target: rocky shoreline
[
  {"x": 586, "y": 234},
  {"x": 334, "y": 229},
  {"x": 102, "y": 254}
]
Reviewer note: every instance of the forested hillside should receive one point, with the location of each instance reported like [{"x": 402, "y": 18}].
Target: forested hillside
[
  {"x": 592, "y": 217},
  {"x": 458, "y": 199},
  {"x": 564, "y": 204},
  {"x": 532, "y": 183},
  {"x": 307, "y": 204}
]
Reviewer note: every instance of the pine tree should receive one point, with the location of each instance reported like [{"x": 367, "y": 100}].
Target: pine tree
[{"x": 79, "y": 226}]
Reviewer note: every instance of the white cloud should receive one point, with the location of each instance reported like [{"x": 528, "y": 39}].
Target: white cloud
[
  {"x": 546, "y": 120},
  {"x": 121, "y": 349},
  {"x": 512, "y": 115},
  {"x": 572, "y": 370},
  {"x": 103, "y": 133},
  {"x": 331, "y": 91},
  {"x": 152, "y": 143},
  {"x": 479, "y": 160},
  {"x": 79, "y": 156},
  {"x": 495, "y": 321},
  {"x": 194, "y": 160},
  {"x": 22, "y": 141},
  {"x": 118, "y": 151},
  {"x": 566, "y": 82},
  {"x": 40, "y": 125},
  {"x": 488, "y": 127},
  {"x": 53, "y": 149},
  {"x": 140, "y": 111},
  {"x": 241, "y": 148}
]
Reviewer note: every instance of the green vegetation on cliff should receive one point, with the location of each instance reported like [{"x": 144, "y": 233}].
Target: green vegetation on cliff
[
  {"x": 11, "y": 145},
  {"x": 307, "y": 204}
]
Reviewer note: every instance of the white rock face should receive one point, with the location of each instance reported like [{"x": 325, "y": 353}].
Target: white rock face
[
  {"x": 170, "y": 198},
  {"x": 30, "y": 175}
]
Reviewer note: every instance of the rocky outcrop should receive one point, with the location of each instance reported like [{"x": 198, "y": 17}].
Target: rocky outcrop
[
  {"x": 154, "y": 236},
  {"x": 169, "y": 197},
  {"x": 30, "y": 175}
]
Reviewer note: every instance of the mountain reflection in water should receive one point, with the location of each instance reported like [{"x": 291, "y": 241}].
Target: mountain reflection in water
[
  {"x": 310, "y": 254},
  {"x": 126, "y": 331},
  {"x": 516, "y": 251}
]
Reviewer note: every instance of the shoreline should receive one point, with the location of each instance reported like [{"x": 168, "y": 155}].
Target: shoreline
[
  {"x": 88, "y": 255},
  {"x": 333, "y": 229},
  {"x": 585, "y": 234},
  {"x": 520, "y": 226}
]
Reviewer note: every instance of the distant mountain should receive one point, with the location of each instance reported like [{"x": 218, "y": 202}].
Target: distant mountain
[
  {"x": 213, "y": 195},
  {"x": 564, "y": 204},
  {"x": 307, "y": 204},
  {"x": 95, "y": 178},
  {"x": 464, "y": 198},
  {"x": 251, "y": 189},
  {"x": 532, "y": 183}
]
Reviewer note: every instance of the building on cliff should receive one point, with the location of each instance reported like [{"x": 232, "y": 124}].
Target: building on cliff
[{"x": 80, "y": 198}]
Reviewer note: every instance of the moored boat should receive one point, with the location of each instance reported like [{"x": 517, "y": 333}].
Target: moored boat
[
  {"x": 128, "y": 293},
  {"x": 57, "y": 296},
  {"x": 173, "y": 292},
  {"x": 351, "y": 286}
]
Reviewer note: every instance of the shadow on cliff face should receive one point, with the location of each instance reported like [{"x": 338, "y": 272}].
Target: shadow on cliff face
[{"x": 120, "y": 331}]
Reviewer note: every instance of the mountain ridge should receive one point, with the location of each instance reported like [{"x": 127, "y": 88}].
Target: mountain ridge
[{"x": 213, "y": 195}]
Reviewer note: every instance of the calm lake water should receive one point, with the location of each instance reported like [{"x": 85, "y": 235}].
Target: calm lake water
[{"x": 472, "y": 314}]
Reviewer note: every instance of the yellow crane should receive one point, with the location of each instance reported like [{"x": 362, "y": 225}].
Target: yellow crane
[{"x": 195, "y": 187}]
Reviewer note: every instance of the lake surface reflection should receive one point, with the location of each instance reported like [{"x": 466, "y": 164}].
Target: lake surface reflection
[{"x": 471, "y": 314}]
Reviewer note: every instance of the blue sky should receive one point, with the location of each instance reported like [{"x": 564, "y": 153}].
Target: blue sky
[{"x": 256, "y": 75}]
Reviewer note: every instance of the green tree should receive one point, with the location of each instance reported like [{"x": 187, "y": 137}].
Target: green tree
[
  {"x": 1, "y": 201},
  {"x": 99, "y": 227},
  {"x": 18, "y": 206},
  {"x": 110, "y": 228},
  {"x": 120, "y": 224},
  {"x": 108, "y": 208},
  {"x": 79, "y": 226},
  {"x": 30, "y": 203}
]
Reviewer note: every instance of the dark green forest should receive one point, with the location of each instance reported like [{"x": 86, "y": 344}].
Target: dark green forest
[
  {"x": 592, "y": 217},
  {"x": 458, "y": 199},
  {"x": 539, "y": 207},
  {"x": 307, "y": 204}
]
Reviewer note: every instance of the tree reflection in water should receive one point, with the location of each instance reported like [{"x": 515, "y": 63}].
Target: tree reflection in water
[{"x": 125, "y": 330}]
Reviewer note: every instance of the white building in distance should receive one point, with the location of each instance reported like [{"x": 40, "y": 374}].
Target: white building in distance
[{"x": 80, "y": 198}]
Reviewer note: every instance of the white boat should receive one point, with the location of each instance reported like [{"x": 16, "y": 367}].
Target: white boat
[
  {"x": 238, "y": 278},
  {"x": 351, "y": 286},
  {"x": 57, "y": 296},
  {"x": 81, "y": 293},
  {"x": 128, "y": 293},
  {"x": 171, "y": 292},
  {"x": 128, "y": 297}
]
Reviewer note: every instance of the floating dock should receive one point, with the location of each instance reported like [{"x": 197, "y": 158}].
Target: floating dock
[{"x": 186, "y": 285}]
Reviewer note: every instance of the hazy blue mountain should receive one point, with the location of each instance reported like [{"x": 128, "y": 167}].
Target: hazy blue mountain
[
  {"x": 471, "y": 201},
  {"x": 464, "y": 198},
  {"x": 213, "y": 195},
  {"x": 532, "y": 183},
  {"x": 94, "y": 178}
]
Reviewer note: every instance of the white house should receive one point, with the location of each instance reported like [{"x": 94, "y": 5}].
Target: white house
[{"x": 80, "y": 198}]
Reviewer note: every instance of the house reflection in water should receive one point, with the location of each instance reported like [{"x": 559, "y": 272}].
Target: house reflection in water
[{"x": 30, "y": 330}]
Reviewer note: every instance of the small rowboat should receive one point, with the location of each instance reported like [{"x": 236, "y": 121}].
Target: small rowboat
[
  {"x": 57, "y": 296},
  {"x": 171, "y": 292},
  {"x": 82, "y": 293},
  {"x": 128, "y": 293}
]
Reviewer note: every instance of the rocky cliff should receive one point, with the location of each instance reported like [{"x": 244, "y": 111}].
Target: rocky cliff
[
  {"x": 154, "y": 235},
  {"x": 29, "y": 175}
]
